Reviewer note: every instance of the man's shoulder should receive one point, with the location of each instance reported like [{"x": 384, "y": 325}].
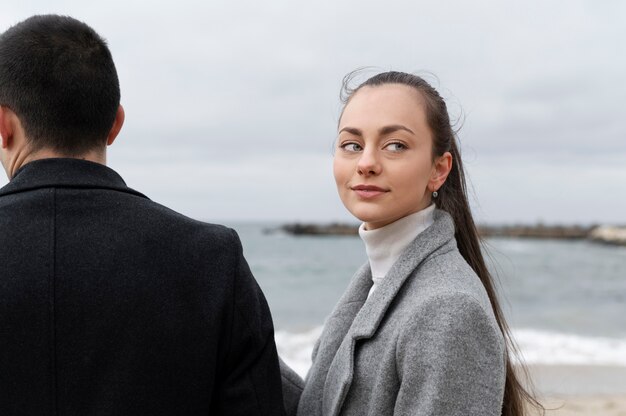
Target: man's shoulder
[{"x": 170, "y": 220}]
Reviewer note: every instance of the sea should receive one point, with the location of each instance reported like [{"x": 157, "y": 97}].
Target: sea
[{"x": 564, "y": 300}]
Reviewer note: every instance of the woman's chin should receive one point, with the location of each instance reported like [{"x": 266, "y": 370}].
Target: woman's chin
[{"x": 374, "y": 221}]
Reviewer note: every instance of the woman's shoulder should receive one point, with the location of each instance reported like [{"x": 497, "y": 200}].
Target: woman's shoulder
[
  {"x": 453, "y": 314},
  {"x": 445, "y": 286},
  {"x": 447, "y": 273}
]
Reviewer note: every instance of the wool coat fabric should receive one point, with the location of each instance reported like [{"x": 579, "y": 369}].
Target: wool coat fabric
[
  {"x": 426, "y": 342},
  {"x": 111, "y": 304}
]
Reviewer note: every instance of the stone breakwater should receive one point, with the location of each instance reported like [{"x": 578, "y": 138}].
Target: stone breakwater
[
  {"x": 602, "y": 234},
  {"x": 562, "y": 232},
  {"x": 320, "y": 229}
]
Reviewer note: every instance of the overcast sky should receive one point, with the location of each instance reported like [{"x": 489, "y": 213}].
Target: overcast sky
[{"x": 231, "y": 106}]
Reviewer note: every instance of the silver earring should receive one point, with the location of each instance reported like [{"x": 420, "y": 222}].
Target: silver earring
[{"x": 435, "y": 194}]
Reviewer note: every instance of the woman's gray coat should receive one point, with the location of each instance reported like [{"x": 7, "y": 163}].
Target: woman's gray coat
[{"x": 426, "y": 342}]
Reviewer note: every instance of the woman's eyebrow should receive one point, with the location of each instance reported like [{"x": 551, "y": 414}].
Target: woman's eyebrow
[
  {"x": 352, "y": 130},
  {"x": 382, "y": 131},
  {"x": 393, "y": 128}
]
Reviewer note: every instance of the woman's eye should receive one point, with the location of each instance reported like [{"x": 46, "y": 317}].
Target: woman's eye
[
  {"x": 395, "y": 147},
  {"x": 351, "y": 147}
]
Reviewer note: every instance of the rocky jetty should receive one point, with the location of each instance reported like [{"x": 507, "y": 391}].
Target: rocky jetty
[
  {"x": 518, "y": 231},
  {"x": 321, "y": 229},
  {"x": 601, "y": 234},
  {"x": 562, "y": 232}
]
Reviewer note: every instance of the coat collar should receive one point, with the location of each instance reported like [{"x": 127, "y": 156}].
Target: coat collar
[
  {"x": 65, "y": 173},
  {"x": 366, "y": 314},
  {"x": 373, "y": 311}
]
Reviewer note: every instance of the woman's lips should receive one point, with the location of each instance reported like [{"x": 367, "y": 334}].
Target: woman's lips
[{"x": 368, "y": 191}]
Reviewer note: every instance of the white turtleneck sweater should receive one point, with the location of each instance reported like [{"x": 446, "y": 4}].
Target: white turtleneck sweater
[{"x": 384, "y": 245}]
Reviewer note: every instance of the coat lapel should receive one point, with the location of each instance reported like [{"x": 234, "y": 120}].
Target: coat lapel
[
  {"x": 334, "y": 333},
  {"x": 366, "y": 319}
]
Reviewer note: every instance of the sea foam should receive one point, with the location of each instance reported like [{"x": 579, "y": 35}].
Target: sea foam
[
  {"x": 536, "y": 347},
  {"x": 543, "y": 347}
]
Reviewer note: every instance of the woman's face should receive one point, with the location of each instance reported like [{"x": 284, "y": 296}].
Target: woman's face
[{"x": 383, "y": 162}]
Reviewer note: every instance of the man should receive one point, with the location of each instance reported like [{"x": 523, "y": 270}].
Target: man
[{"x": 110, "y": 304}]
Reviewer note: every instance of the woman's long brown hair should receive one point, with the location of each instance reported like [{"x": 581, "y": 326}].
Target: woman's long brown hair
[{"x": 453, "y": 199}]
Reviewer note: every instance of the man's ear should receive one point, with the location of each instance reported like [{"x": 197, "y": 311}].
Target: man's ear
[
  {"x": 117, "y": 125},
  {"x": 441, "y": 170},
  {"x": 6, "y": 126}
]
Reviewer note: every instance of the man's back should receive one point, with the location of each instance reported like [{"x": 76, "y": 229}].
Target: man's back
[{"x": 113, "y": 304}]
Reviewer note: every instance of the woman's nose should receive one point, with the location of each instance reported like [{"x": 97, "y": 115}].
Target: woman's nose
[{"x": 369, "y": 164}]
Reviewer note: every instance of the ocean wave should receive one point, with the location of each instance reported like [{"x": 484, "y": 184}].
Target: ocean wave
[
  {"x": 536, "y": 347},
  {"x": 296, "y": 348},
  {"x": 544, "y": 347}
]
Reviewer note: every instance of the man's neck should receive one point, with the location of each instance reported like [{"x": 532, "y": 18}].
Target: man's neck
[{"x": 22, "y": 158}]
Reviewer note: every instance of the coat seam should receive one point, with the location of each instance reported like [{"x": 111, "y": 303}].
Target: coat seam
[
  {"x": 233, "y": 308},
  {"x": 236, "y": 310},
  {"x": 52, "y": 306}
]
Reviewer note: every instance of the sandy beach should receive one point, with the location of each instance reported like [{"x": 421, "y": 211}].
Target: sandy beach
[
  {"x": 580, "y": 390},
  {"x": 610, "y": 405}
]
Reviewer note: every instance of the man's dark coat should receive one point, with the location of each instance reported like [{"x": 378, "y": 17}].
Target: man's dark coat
[{"x": 111, "y": 304}]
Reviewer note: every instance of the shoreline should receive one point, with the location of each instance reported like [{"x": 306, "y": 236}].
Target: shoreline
[
  {"x": 577, "y": 380},
  {"x": 583, "y": 390},
  {"x": 591, "y": 405}
]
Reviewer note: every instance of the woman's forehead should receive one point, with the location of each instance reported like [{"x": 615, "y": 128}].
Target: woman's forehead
[{"x": 388, "y": 103}]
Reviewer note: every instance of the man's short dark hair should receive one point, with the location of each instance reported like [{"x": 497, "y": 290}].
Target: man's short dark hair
[{"x": 58, "y": 76}]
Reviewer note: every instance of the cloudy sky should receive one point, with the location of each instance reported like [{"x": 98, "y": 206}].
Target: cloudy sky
[{"x": 231, "y": 106}]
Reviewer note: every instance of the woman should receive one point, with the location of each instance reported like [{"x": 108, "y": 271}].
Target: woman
[{"x": 419, "y": 330}]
